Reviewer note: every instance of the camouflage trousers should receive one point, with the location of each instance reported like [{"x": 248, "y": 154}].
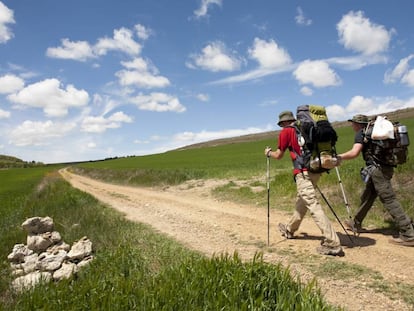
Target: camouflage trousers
[
  {"x": 379, "y": 185},
  {"x": 306, "y": 200}
]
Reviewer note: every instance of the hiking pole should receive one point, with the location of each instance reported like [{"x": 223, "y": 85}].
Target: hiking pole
[
  {"x": 333, "y": 212},
  {"x": 346, "y": 201},
  {"x": 268, "y": 198}
]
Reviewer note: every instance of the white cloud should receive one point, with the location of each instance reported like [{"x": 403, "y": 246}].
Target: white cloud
[
  {"x": 215, "y": 57},
  {"x": 268, "y": 54},
  {"x": 6, "y": 17},
  {"x": 401, "y": 72},
  {"x": 121, "y": 41},
  {"x": 141, "y": 142},
  {"x": 271, "y": 58},
  {"x": 100, "y": 124},
  {"x": 142, "y": 31},
  {"x": 360, "y": 104},
  {"x": 10, "y": 83},
  {"x": 80, "y": 50},
  {"x": 408, "y": 78},
  {"x": 140, "y": 74},
  {"x": 307, "y": 91},
  {"x": 159, "y": 102},
  {"x": 301, "y": 19},
  {"x": 317, "y": 73},
  {"x": 4, "y": 114},
  {"x": 269, "y": 102},
  {"x": 203, "y": 9},
  {"x": 357, "y": 62},
  {"x": 203, "y": 97},
  {"x": 368, "y": 106},
  {"x": 187, "y": 138},
  {"x": 337, "y": 113},
  {"x": 39, "y": 133},
  {"x": 49, "y": 96},
  {"x": 358, "y": 33},
  {"x": 120, "y": 117}
]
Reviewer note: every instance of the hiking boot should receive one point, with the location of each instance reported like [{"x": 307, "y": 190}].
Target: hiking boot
[
  {"x": 285, "y": 232},
  {"x": 403, "y": 241},
  {"x": 330, "y": 250},
  {"x": 352, "y": 225}
]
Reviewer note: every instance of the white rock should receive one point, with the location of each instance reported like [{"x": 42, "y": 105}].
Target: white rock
[
  {"x": 30, "y": 280},
  {"x": 18, "y": 253},
  {"x": 37, "y": 225},
  {"x": 39, "y": 242},
  {"x": 55, "y": 237},
  {"x": 80, "y": 249},
  {"x": 51, "y": 262},
  {"x": 60, "y": 246},
  {"x": 30, "y": 263},
  {"x": 65, "y": 272},
  {"x": 85, "y": 261}
]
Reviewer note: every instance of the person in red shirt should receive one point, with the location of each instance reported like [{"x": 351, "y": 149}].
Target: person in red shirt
[{"x": 306, "y": 194}]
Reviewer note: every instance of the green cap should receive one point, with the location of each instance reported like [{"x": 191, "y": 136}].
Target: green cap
[
  {"x": 286, "y": 116},
  {"x": 359, "y": 118}
]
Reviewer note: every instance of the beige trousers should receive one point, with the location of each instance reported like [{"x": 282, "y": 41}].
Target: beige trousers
[{"x": 306, "y": 200}]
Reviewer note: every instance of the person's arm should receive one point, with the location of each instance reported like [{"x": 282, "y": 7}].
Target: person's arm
[
  {"x": 283, "y": 143},
  {"x": 278, "y": 154},
  {"x": 352, "y": 153}
]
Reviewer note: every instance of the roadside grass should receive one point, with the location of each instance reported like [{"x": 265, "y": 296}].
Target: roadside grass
[
  {"x": 135, "y": 268},
  {"x": 341, "y": 270}
]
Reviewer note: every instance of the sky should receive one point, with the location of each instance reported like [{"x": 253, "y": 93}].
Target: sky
[{"x": 85, "y": 80}]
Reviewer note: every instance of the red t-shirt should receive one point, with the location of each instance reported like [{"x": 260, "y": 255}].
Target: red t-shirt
[{"x": 289, "y": 140}]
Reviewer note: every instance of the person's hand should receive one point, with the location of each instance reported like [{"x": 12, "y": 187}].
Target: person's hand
[
  {"x": 267, "y": 151},
  {"x": 338, "y": 160}
]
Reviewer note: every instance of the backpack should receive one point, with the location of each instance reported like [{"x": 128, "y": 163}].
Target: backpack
[
  {"x": 390, "y": 151},
  {"x": 317, "y": 138}
]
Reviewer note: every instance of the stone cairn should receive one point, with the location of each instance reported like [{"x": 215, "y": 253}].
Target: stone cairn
[{"x": 46, "y": 256}]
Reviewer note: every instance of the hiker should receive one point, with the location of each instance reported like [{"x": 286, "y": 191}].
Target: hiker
[
  {"x": 306, "y": 194},
  {"x": 378, "y": 183}
]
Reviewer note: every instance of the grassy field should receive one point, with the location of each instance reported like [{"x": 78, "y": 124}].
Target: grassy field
[{"x": 136, "y": 268}]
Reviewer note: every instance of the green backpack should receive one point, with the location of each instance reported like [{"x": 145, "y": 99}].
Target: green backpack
[{"x": 317, "y": 138}]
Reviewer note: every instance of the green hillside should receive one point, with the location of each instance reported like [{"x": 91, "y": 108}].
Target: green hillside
[{"x": 13, "y": 162}]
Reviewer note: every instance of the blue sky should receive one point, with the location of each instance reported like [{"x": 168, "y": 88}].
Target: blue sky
[{"x": 86, "y": 80}]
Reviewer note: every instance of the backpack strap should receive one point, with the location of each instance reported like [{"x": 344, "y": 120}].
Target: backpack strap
[{"x": 301, "y": 160}]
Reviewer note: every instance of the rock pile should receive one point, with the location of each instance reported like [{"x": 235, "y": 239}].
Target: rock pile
[{"x": 46, "y": 256}]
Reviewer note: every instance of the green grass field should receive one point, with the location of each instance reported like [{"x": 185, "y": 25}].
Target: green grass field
[
  {"x": 137, "y": 269},
  {"x": 134, "y": 267}
]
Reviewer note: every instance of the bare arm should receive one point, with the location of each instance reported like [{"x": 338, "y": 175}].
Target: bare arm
[
  {"x": 278, "y": 154},
  {"x": 352, "y": 153}
]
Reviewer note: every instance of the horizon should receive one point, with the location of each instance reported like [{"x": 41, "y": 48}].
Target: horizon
[{"x": 85, "y": 81}]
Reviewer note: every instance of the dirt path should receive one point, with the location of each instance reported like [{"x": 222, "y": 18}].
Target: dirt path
[{"x": 189, "y": 214}]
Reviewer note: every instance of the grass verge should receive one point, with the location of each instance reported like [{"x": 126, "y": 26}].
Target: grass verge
[{"x": 136, "y": 268}]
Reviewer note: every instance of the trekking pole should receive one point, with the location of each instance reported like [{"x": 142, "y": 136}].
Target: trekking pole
[
  {"x": 333, "y": 212},
  {"x": 346, "y": 201},
  {"x": 268, "y": 199}
]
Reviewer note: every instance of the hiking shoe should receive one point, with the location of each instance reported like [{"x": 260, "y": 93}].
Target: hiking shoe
[
  {"x": 285, "y": 232},
  {"x": 402, "y": 241},
  {"x": 330, "y": 250},
  {"x": 353, "y": 226}
]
